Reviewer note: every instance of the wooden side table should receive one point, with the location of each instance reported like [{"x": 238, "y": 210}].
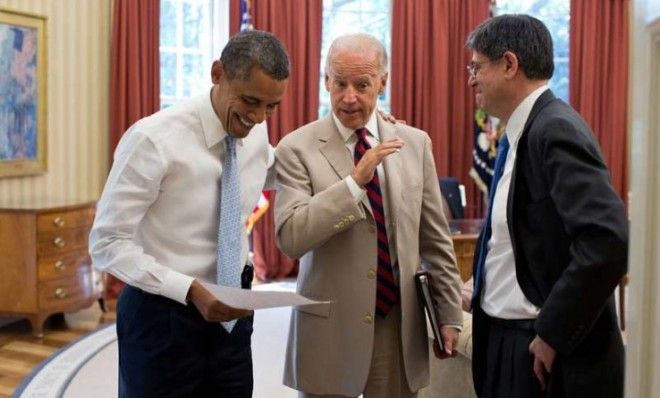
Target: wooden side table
[{"x": 44, "y": 264}]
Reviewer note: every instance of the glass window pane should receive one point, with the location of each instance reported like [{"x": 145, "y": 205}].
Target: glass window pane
[
  {"x": 186, "y": 48},
  {"x": 559, "y": 82},
  {"x": 167, "y": 74},
  {"x": 167, "y": 23},
  {"x": 194, "y": 81},
  {"x": 555, "y": 14},
  {"x": 192, "y": 24},
  {"x": 351, "y": 16},
  {"x": 164, "y": 103}
]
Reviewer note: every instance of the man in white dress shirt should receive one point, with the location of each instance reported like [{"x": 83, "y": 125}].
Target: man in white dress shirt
[
  {"x": 156, "y": 227},
  {"x": 555, "y": 242}
]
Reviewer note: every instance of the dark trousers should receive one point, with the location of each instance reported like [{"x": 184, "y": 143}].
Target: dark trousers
[
  {"x": 510, "y": 365},
  {"x": 167, "y": 349}
]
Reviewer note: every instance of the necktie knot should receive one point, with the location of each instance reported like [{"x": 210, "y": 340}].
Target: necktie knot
[
  {"x": 362, "y": 133},
  {"x": 231, "y": 145}
]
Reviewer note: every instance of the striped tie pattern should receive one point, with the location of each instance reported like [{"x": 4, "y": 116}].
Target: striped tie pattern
[{"x": 386, "y": 289}]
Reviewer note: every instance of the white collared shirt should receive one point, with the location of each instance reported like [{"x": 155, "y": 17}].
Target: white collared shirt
[
  {"x": 156, "y": 225},
  {"x": 502, "y": 296}
]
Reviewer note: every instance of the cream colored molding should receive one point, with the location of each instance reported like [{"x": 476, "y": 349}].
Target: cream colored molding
[{"x": 643, "y": 345}]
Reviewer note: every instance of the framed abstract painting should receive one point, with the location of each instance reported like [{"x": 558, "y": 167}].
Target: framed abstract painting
[{"x": 23, "y": 94}]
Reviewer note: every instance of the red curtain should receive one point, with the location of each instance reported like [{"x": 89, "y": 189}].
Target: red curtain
[
  {"x": 429, "y": 82},
  {"x": 599, "y": 78},
  {"x": 298, "y": 25},
  {"x": 134, "y": 75}
]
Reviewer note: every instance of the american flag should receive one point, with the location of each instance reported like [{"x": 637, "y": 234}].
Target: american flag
[
  {"x": 246, "y": 17},
  {"x": 486, "y": 132}
]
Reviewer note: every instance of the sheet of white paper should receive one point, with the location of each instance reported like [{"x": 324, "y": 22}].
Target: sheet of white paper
[{"x": 257, "y": 299}]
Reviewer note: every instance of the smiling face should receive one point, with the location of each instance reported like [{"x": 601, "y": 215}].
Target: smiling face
[
  {"x": 354, "y": 81},
  {"x": 240, "y": 104},
  {"x": 486, "y": 80}
]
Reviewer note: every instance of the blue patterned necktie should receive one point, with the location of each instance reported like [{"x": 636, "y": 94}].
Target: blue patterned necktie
[
  {"x": 502, "y": 150},
  {"x": 230, "y": 228}
]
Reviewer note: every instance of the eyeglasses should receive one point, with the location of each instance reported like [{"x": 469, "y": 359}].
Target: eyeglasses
[{"x": 474, "y": 67}]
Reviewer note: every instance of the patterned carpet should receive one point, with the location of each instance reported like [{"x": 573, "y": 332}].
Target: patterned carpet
[{"x": 88, "y": 366}]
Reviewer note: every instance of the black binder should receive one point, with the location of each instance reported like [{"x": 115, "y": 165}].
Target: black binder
[{"x": 424, "y": 289}]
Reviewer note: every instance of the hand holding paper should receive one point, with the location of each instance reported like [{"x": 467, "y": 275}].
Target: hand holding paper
[
  {"x": 255, "y": 300},
  {"x": 212, "y": 309}
]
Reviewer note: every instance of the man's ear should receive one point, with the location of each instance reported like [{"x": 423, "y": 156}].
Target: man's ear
[
  {"x": 217, "y": 71},
  {"x": 511, "y": 64},
  {"x": 327, "y": 82},
  {"x": 383, "y": 83}
]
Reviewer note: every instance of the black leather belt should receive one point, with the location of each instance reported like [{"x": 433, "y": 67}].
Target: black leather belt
[{"x": 520, "y": 324}]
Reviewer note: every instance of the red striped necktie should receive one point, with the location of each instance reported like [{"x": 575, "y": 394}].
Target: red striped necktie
[{"x": 387, "y": 291}]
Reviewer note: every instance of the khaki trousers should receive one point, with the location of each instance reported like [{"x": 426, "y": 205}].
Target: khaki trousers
[{"x": 387, "y": 378}]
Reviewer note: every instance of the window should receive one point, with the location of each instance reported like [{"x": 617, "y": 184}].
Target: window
[
  {"x": 187, "y": 46},
  {"x": 555, "y": 14},
  {"x": 352, "y": 16}
]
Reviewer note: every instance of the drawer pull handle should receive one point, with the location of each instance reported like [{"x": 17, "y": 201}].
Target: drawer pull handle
[
  {"x": 59, "y": 242},
  {"x": 60, "y": 293},
  {"x": 59, "y": 222},
  {"x": 59, "y": 265}
]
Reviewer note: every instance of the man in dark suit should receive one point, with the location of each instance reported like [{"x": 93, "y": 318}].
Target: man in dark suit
[{"x": 554, "y": 245}]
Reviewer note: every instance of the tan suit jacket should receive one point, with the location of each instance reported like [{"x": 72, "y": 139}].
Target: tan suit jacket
[{"x": 317, "y": 220}]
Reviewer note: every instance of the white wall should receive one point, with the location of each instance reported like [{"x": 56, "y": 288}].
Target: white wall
[
  {"x": 643, "y": 326},
  {"x": 78, "y": 79}
]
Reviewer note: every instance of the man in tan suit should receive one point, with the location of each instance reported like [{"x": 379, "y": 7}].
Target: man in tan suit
[{"x": 359, "y": 203}]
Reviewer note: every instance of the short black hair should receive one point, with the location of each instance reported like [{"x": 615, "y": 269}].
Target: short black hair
[
  {"x": 525, "y": 36},
  {"x": 251, "y": 48}
]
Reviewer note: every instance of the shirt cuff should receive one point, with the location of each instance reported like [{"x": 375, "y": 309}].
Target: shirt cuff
[
  {"x": 176, "y": 286},
  {"x": 457, "y": 327},
  {"x": 357, "y": 192}
]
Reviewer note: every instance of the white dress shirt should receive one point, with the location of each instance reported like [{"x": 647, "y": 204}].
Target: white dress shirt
[
  {"x": 502, "y": 295},
  {"x": 156, "y": 225}
]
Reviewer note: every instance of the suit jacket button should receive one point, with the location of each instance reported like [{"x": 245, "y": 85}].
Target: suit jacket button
[
  {"x": 368, "y": 319},
  {"x": 371, "y": 274}
]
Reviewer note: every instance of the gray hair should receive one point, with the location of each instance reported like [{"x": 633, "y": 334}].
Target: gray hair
[
  {"x": 359, "y": 43},
  {"x": 251, "y": 48}
]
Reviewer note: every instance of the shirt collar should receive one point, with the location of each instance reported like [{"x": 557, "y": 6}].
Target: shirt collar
[
  {"x": 212, "y": 128},
  {"x": 519, "y": 116},
  {"x": 346, "y": 133}
]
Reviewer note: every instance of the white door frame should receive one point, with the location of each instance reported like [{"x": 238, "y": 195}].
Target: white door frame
[{"x": 643, "y": 322}]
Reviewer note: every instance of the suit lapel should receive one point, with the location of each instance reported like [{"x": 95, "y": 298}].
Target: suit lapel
[
  {"x": 392, "y": 167},
  {"x": 333, "y": 148},
  {"x": 540, "y": 103}
]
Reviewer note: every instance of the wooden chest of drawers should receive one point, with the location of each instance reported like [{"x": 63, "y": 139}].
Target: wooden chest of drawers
[
  {"x": 44, "y": 264},
  {"x": 465, "y": 233}
]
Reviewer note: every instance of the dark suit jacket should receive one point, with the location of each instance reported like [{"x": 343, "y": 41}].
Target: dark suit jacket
[{"x": 570, "y": 240}]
